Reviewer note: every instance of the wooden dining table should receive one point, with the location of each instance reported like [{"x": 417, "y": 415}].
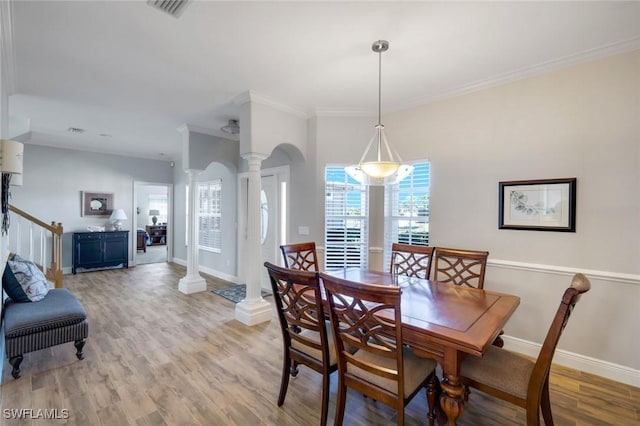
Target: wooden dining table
[{"x": 444, "y": 322}]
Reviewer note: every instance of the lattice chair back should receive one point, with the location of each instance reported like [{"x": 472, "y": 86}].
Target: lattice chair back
[
  {"x": 410, "y": 260},
  {"x": 460, "y": 267},
  {"x": 300, "y": 256}
]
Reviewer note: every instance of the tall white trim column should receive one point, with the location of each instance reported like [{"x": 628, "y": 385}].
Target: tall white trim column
[
  {"x": 192, "y": 282},
  {"x": 253, "y": 309}
]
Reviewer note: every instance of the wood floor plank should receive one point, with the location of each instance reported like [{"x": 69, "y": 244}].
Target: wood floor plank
[{"x": 155, "y": 356}]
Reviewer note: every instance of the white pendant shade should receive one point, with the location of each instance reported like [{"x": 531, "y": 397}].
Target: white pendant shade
[{"x": 379, "y": 169}]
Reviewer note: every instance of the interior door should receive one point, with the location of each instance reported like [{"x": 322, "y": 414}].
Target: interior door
[{"x": 269, "y": 225}]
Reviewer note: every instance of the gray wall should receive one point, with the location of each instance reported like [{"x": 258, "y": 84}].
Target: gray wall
[
  {"x": 581, "y": 122},
  {"x": 53, "y": 179}
]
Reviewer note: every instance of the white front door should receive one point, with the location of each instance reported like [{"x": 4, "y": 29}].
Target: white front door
[{"x": 269, "y": 229}]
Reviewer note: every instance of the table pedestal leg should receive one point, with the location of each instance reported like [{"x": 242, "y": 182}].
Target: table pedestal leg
[{"x": 451, "y": 399}]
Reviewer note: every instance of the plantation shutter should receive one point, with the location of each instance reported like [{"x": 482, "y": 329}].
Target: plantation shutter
[
  {"x": 209, "y": 215},
  {"x": 346, "y": 221},
  {"x": 406, "y": 206}
]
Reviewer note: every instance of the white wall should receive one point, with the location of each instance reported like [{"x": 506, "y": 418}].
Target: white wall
[
  {"x": 581, "y": 122},
  {"x": 53, "y": 179}
]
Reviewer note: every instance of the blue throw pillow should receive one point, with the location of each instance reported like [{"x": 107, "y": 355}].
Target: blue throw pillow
[
  {"x": 32, "y": 285},
  {"x": 12, "y": 287}
]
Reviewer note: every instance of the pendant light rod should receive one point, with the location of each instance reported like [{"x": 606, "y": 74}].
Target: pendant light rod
[{"x": 379, "y": 47}]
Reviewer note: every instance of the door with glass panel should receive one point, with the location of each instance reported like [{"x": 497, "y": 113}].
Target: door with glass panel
[{"x": 268, "y": 225}]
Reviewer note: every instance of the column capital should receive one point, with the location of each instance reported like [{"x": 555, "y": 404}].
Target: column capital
[{"x": 255, "y": 156}]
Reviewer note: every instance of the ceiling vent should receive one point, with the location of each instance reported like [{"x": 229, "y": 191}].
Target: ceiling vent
[
  {"x": 233, "y": 127},
  {"x": 172, "y": 7},
  {"x": 75, "y": 130}
]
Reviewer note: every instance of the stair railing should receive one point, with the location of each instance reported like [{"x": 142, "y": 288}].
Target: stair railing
[{"x": 38, "y": 242}]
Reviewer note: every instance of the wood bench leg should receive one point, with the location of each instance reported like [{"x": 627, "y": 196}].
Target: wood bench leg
[
  {"x": 15, "y": 362},
  {"x": 79, "y": 344}
]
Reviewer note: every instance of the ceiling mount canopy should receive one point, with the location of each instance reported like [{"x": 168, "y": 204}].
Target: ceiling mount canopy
[
  {"x": 387, "y": 168},
  {"x": 233, "y": 127}
]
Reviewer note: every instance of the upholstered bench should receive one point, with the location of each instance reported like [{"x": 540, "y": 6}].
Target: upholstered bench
[{"x": 58, "y": 318}]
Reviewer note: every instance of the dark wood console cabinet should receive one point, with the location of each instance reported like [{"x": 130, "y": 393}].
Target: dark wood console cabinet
[
  {"x": 93, "y": 250},
  {"x": 158, "y": 234}
]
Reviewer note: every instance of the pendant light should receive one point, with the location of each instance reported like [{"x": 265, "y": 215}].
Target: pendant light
[{"x": 383, "y": 169}]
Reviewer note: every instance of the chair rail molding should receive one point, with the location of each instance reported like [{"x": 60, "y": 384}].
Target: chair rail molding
[{"x": 565, "y": 270}]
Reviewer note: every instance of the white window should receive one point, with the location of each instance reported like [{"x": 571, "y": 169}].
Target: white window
[
  {"x": 346, "y": 220},
  {"x": 407, "y": 210},
  {"x": 210, "y": 215}
]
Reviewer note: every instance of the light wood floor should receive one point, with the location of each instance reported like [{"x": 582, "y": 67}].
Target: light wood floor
[{"x": 156, "y": 356}]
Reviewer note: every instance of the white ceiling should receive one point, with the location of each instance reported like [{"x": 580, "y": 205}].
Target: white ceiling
[{"x": 127, "y": 70}]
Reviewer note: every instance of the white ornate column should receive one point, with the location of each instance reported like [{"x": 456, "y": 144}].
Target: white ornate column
[
  {"x": 192, "y": 282},
  {"x": 253, "y": 309}
]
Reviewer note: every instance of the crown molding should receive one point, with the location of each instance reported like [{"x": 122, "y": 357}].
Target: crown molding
[
  {"x": 342, "y": 112},
  {"x": 256, "y": 98},
  {"x": 616, "y": 48}
]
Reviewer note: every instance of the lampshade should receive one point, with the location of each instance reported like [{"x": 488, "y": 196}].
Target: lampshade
[
  {"x": 11, "y": 156},
  {"x": 379, "y": 171},
  {"x": 118, "y": 214},
  {"x": 154, "y": 212}
]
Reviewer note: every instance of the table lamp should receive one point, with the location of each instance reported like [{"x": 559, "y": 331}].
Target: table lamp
[
  {"x": 154, "y": 213},
  {"x": 117, "y": 215}
]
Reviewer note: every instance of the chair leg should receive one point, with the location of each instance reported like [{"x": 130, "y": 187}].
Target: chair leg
[
  {"x": 284, "y": 383},
  {"x": 432, "y": 397},
  {"x": 498, "y": 342},
  {"x": 340, "y": 404},
  {"x": 326, "y": 381},
  {"x": 545, "y": 404},
  {"x": 294, "y": 368},
  {"x": 15, "y": 362},
  {"x": 79, "y": 344}
]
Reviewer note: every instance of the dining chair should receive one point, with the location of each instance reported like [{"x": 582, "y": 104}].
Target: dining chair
[
  {"x": 367, "y": 317},
  {"x": 410, "y": 260},
  {"x": 519, "y": 380},
  {"x": 300, "y": 256},
  {"x": 306, "y": 334},
  {"x": 460, "y": 267}
]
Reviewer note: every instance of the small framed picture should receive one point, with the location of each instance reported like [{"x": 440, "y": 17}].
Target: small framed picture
[
  {"x": 96, "y": 203},
  {"x": 538, "y": 205}
]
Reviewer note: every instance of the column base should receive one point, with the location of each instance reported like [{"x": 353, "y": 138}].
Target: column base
[
  {"x": 255, "y": 312},
  {"x": 192, "y": 284}
]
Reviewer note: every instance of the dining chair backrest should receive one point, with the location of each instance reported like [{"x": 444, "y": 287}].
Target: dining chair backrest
[
  {"x": 579, "y": 285},
  {"x": 517, "y": 379},
  {"x": 300, "y": 256},
  {"x": 305, "y": 334},
  {"x": 355, "y": 310},
  {"x": 411, "y": 260},
  {"x": 459, "y": 267},
  {"x": 367, "y": 324}
]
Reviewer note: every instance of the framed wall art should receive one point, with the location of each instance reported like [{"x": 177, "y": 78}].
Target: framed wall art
[
  {"x": 538, "y": 205},
  {"x": 96, "y": 203}
]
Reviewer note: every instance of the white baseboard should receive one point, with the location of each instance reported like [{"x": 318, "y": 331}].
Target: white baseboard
[
  {"x": 609, "y": 370},
  {"x": 210, "y": 271}
]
